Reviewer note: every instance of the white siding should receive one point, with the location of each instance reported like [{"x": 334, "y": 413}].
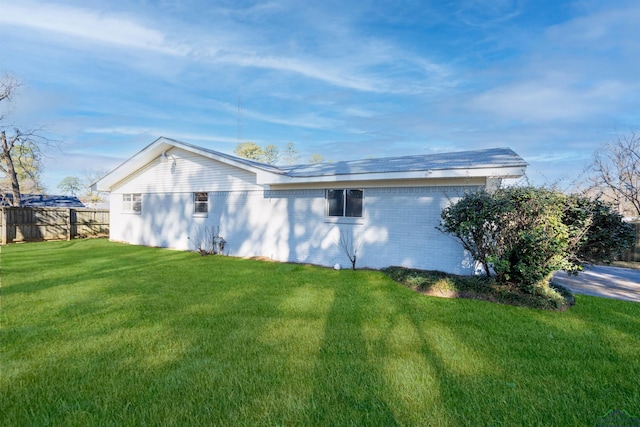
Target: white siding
[
  {"x": 397, "y": 228},
  {"x": 184, "y": 171}
]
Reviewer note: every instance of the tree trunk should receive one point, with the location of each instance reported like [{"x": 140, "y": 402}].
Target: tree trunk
[{"x": 11, "y": 170}]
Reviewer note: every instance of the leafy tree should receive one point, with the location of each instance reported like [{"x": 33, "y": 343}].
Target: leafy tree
[
  {"x": 82, "y": 187},
  {"x": 70, "y": 185},
  {"x": 316, "y": 158},
  {"x": 270, "y": 154},
  {"x": 615, "y": 172},
  {"x": 249, "y": 150},
  {"x": 524, "y": 234}
]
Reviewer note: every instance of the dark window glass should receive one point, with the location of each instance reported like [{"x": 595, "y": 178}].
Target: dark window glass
[
  {"x": 345, "y": 203},
  {"x": 335, "y": 202},
  {"x": 354, "y": 203},
  {"x": 201, "y": 202}
]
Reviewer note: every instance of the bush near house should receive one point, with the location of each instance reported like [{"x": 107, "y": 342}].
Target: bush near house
[
  {"x": 437, "y": 283},
  {"x": 521, "y": 235}
]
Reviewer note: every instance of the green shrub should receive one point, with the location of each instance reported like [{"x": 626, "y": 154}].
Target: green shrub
[{"x": 523, "y": 234}]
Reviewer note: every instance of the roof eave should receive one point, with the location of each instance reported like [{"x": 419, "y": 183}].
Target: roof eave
[
  {"x": 491, "y": 172},
  {"x": 155, "y": 150}
]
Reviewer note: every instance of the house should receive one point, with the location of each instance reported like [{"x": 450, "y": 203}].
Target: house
[
  {"x": 42, "y": 201},
  {"x": 172, "y": 194}
]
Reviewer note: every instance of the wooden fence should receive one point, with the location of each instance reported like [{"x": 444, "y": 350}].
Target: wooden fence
[
  {"x": 33, "y": 224},
  {"x": 634, "y": 253}
]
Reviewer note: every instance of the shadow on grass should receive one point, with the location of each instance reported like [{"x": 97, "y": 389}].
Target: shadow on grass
[
  {"x": 191, "y": 340},
  {"x": 348, "y": 386}
]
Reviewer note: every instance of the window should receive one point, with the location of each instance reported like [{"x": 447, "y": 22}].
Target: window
[
  {"x": 344, "y": 203},
  {"x": 200, "y": 203},
  {"x": 132, "y": 203}
]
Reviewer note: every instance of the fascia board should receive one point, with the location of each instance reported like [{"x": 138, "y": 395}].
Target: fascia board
[{"x": 497, "y": 172}]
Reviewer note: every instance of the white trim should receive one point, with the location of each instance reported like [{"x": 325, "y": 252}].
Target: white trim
[
  {"x": 496, "y": 172},
  {"x": 402, "y": 183},
  {"x": 279, "y": 179}
]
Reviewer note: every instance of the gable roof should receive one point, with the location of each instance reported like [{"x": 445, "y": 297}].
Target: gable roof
[{"x": 496, "y": 162}]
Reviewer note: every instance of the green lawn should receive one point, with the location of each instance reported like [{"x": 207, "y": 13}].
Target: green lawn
[{"x": 99, "y": 333}]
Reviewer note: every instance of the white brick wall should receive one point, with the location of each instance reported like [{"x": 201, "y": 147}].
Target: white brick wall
[{"x": 397, "y": 228}]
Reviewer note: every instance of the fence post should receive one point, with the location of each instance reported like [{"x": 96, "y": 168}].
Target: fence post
[
  {"x": 69, "y": 224},
  {"x": 4, "y": 228},
  {"x": 635, "y": 251}
]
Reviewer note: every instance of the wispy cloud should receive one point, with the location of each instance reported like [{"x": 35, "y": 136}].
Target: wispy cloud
[
  {"x": 580, "y": 70},
  {"x": 486, "y": 13},
  {"x": 356, "y": 71},
  {"x": 157, "y": 132},
  {"x": 345, "y": 79},
  {"x": 311, "y": 120},
  {"x": 615, "y": 26},
  {"x": 86, "y": 24},
  {"x": 544, "y": 100}
]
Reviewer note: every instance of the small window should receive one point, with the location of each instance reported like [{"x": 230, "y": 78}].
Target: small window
[
  {"x": 344, "y": 203},
  {"x": 132, "y": 203},
  {"x": 200, "y": 203}
]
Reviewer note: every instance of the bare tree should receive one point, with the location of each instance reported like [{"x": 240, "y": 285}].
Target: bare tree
[
  {"x": 270, "y": 154},
  {"x": 615, "y": 173},
  {"x": 89, "y": 177},
  {"x": 208, "y": 240},
  {"x": 20, "y": 150},
  {"x": 350, "y": 246},
  {"x": 290, "y": 153}
]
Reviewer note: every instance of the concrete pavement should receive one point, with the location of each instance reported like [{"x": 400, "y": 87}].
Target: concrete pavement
[{"x": 609, "y": 282}]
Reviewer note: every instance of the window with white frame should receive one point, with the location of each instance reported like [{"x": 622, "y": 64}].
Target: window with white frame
[
  {"x": 132, "y": 203},
  {"x": 200, "y": 203},
  {"x": 344, "y": 203}
]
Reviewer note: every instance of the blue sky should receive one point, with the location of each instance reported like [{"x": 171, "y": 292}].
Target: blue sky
[{"x": 553, "y": 80}]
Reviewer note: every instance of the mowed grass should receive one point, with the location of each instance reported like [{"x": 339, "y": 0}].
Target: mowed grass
[{"x": 99, "y": 333}]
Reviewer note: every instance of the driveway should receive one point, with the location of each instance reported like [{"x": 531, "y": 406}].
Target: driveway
[{"x": 609, "y": 282}]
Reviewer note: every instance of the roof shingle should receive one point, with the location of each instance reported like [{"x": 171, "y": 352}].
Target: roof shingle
[{"x": 493, "y": 157}]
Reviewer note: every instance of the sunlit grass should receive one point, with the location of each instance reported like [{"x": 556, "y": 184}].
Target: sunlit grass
[{"x": 98, "y": 333}]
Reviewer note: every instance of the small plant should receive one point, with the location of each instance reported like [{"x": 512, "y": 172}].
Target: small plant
[
  {"x": 209, "y": 241},
  {"x": 350, "y": 246}
]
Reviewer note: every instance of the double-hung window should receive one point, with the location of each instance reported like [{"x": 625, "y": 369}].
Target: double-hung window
[
  {"x": 344, "y": 203},
  {"x": 200, "y": 203},
  {"x": 132, "y": 203}
]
